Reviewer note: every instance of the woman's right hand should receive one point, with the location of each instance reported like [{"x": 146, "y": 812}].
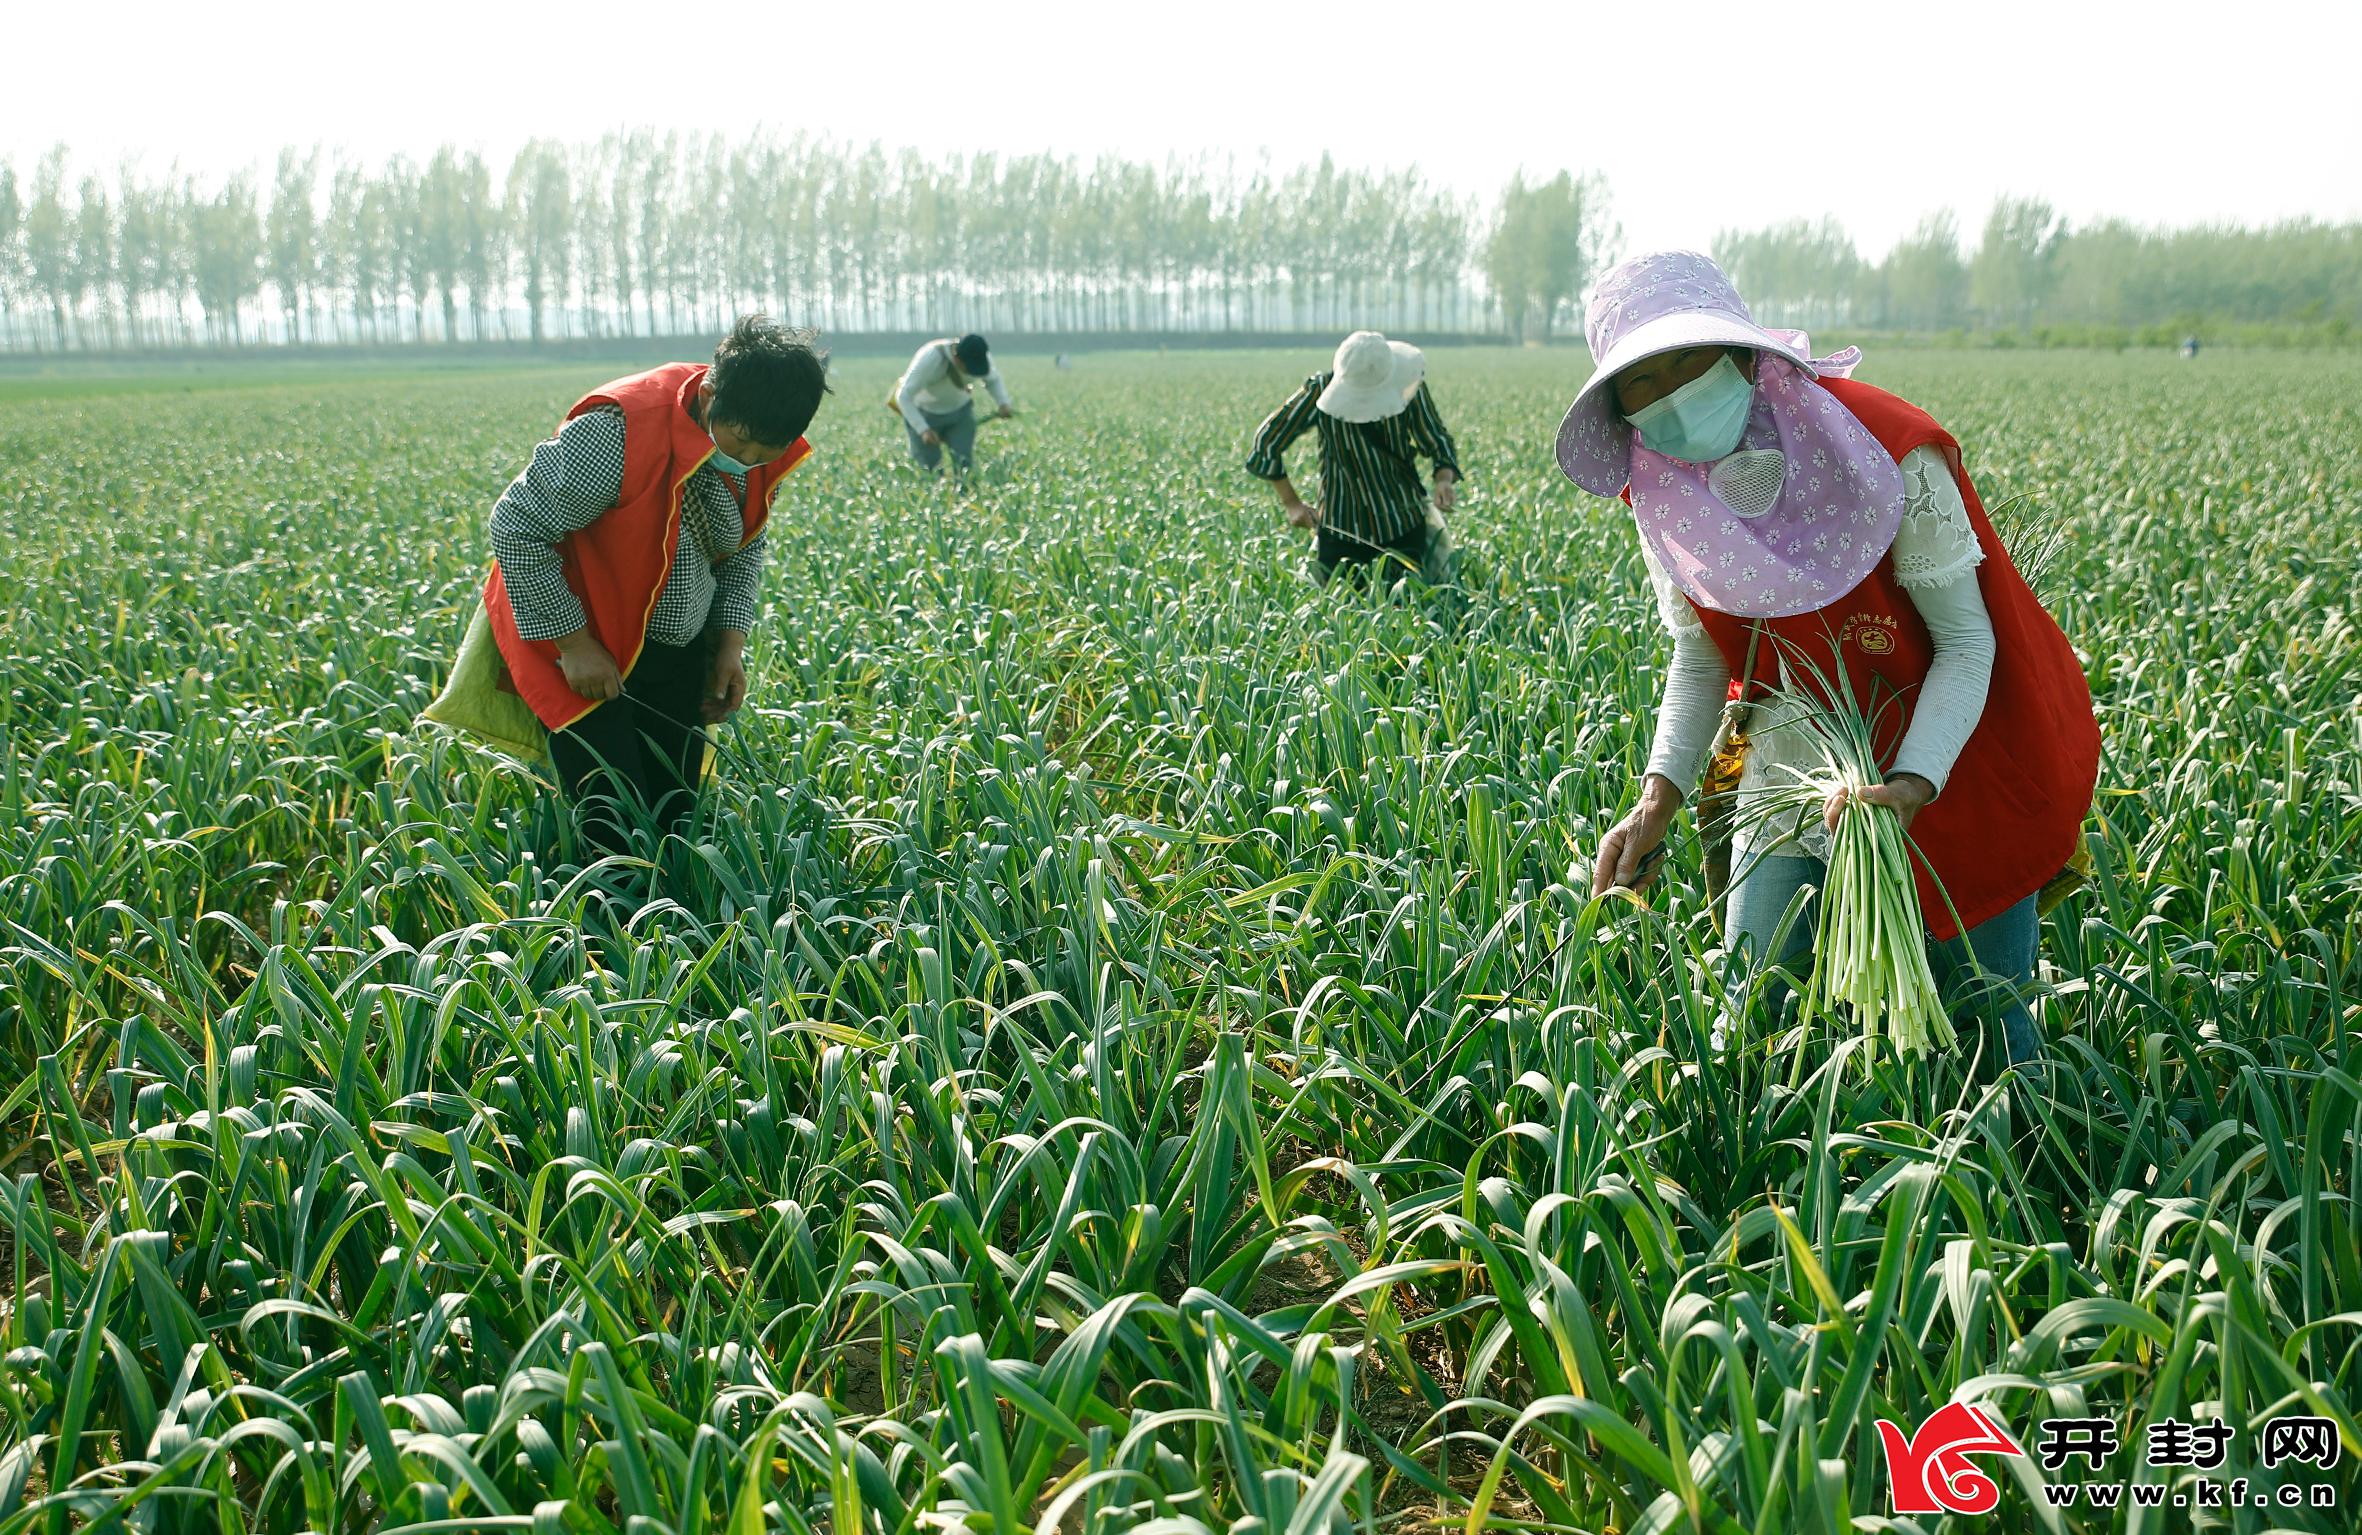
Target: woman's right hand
[
  {"x": 589, "y": 670},
  {"x": 1629, "y": 853}
]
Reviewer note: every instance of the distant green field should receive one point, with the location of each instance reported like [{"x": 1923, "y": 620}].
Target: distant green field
[
  {"x": 1131, "y": 1044},
  {"x": 28, "y": 379}
]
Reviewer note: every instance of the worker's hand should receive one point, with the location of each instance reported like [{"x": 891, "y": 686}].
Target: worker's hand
[
  {"x": 1301, "y": 515},
  {"x": 725, "y": 687},
  {"x": 1906, "y": 794},
  {"x": 931, "y": 438},
  {"x": 1447, "y": 489},
  {"x": 1633, "y": 848},
  {"x": 588, "y": 669}
]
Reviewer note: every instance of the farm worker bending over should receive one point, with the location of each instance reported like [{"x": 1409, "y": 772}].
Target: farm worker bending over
[
  {"x": 1375, "y": 420},
  {"x": 1789, "y": 514},
  {"x": 932, "y": 399},
  {"x": 627, "y": 557}
]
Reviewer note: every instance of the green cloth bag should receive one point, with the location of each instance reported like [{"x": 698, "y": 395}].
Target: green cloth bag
[
  {"x": 475, "y": 701},
  {"x": 1440, "y": 561}
]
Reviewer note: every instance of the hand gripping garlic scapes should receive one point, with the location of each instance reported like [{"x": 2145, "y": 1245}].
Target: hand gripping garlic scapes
[{"x": 1829, "y": 572}]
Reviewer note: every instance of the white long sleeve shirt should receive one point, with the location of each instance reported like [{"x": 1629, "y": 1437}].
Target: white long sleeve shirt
[
  {"x": 1934, "y": 550},
  {"x": 928, "y": 384}
]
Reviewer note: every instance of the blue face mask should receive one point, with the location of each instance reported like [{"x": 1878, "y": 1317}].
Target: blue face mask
[
  {"x": 1703, "y": 419},
  {"x": 726, "y": 463}
]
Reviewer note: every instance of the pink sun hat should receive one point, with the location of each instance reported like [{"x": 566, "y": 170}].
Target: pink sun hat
[{"x": 1661, "y": 302}]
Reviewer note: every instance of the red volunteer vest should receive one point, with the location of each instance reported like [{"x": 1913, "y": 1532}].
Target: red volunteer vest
[
  {"x": 618, "y": 564},
  {"x": 2012, "y": 811}
]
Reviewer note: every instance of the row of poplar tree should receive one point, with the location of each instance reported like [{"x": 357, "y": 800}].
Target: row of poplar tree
[
  {"x": 2029, "y": 272},
  {"x": 643, "y": 234},
  {"x": 646, "y": 234}
]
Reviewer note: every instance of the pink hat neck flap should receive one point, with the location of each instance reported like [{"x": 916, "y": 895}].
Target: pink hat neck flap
[
  {"x": 1791, "y": 520},
  {"x": 1838, "y": 504}
]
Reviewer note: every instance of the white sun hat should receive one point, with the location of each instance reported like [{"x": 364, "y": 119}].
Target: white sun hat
[
  {"x": 1375, "y": 378},
  {"x": 1664, "y": 302},
  {"x": 1410, "y": 368}
]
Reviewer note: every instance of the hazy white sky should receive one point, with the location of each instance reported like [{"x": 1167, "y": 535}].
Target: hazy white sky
[{"x": 1701, "y": 115}]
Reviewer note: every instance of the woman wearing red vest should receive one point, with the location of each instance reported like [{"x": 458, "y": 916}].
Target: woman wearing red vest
[
  {"x": 626, "y": 561},
  {"x": 1788, "y": 514}
]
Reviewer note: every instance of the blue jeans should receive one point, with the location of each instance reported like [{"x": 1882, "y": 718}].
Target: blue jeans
[
  {"x": 1995, "y": 987},
  {"x": 958, "y": 431}
]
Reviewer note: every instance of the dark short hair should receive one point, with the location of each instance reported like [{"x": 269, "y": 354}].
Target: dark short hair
[
  {"x": 975, "y": 358},
  {"x": 767, "y": 380}
]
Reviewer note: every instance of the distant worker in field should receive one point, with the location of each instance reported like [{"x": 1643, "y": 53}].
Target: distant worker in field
[
  {"x": 933, "y": 400},
  {"x": 627, "y": 559},
  {"x": 1375, "y": 420},
  {"x": 1799, "y": 526}
]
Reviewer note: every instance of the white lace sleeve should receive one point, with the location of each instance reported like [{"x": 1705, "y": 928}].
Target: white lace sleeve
[
  {"x": 1690, "y": 710},
  {"x": 1936, "y": 545},
  {"x": 1695, "y": 680},
  {"x": 1679, "y": 617},
  {"x": 1952, "y": 699}
]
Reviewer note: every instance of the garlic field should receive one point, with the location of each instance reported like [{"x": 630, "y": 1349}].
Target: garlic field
[{"x": 1130, "y": 1047}]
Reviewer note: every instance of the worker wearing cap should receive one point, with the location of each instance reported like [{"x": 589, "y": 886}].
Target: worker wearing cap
[{"x": 933, "y": 400}]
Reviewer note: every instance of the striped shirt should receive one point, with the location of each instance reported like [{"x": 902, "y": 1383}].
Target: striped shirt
[
  {"x": 1369, "y": 474},
  {"x": 575, "y": 479}
]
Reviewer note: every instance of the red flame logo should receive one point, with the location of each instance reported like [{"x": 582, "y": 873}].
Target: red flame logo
[{"x": 1930, "y": 1472}]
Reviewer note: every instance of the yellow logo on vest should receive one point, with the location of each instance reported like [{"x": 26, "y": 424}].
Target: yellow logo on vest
[{"x": 1873, "y": 634}]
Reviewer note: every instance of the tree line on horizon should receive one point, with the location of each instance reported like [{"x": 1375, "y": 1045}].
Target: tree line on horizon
[
  {"x": 641, "y": 234},
  {"x": 2029, "y": 272}
]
